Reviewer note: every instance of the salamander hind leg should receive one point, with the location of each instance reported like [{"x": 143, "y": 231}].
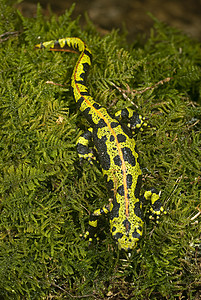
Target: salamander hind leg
[
  {"x": 133, "y": 119},
  {"x": 84, "y": 152},
  {"x": 156, "y": 207},
  {"x": 90, "y": 234}
]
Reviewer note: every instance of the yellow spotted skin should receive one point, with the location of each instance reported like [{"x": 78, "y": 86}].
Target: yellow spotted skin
[{"x": 116, "y": 152}]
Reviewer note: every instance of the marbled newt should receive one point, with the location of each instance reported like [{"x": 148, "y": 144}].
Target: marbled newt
[{"x": 116, "y": 151}]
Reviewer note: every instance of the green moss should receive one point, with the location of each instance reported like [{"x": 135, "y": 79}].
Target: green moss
[{"x": 45, "y": 195}]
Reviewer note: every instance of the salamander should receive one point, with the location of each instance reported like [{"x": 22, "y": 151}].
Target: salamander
[{"x": 114, "y": 144}]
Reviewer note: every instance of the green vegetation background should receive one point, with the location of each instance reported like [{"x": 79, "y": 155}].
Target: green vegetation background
[{"x": 46, "y": 195}]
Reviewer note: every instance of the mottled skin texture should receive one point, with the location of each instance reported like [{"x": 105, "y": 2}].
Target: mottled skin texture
[{"x": 116, "y": 152}]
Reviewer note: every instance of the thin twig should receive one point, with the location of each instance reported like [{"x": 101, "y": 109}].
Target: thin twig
[
  {"x": 175, "y": 186},
  {"x": 199, "y": 212},
  {"x": 134, "y": 92},
  {"x": 54, "y": 83},
  {"x": 123, "y": 92},
  {"x": 8, "y": 34}
]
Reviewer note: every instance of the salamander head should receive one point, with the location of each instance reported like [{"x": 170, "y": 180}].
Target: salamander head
[{"x": 127, "y": 238}]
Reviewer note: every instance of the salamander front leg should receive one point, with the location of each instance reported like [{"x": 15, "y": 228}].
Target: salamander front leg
[
  {"x": 84, "y": 152},
  {"x": 131, "y": 118},
  {"x": 156, "y": 206},
  {"x": 93, "y": 223}
]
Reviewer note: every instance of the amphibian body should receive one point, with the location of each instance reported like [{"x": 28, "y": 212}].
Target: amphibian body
[{"x": 116, "y": 152}]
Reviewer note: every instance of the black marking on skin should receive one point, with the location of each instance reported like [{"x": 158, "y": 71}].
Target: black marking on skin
[
  {"x": 118, "y": 235},
  {"x": 135, "y": 120},
  {"x": 136, "y": 235},
  {"x": 103, "y": 155},
  {"x": 42, "y": 46},
  {"x": 110, "y": 186},
  {"x": 117, "y": 160},
  {"x": 127, "y": 131},
  {"x": 138, "y": 160},
  {"x": 88, "y": 53},
  {"x": 96, "y": 106},
  {"x": 82, "y": 149},
  {"x": 86, "y": 67},
  {"x": 114, "y": 124},
  {"x": 140, "y": 228},
  {"x": 75, "y": 46},
  {"x": 137, "y": 155},
  {"x": 121, "y": 138},
  {"x": 92, "y": 230},
  {"x": 128, "y": 156},
  {"x": 129, "y": 180},
  {"x": 112, "y": 139},
  {"x": 124, "y": 114},
  {"x": 106, "y": 163},
  {"x": 137, "y": 210},
  {"x": 115, "y": 210},
  {"x": 136, "y": 149},
  {"x": 83, "y": 76},
  {"x": 87, "y": 114},
  {"x": 102, "y": 211},
  {"x": 80, "y": 82},
  {"x": 84, "y": 93},
  {"x": 113, "y": 228},
  {"x": 87, "y": 110},
  {"x": 120, "y": 190},
  {"x": 101, "y": 123},
  {"x": 79, "y": 101},
  {"x": 138, "y": 186},
  {"x": 56, "y": 45},
  {"x": 157, "y": 205},
  {"x": 66, "y": 46},
  {"x": 87, "y": 135}
]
